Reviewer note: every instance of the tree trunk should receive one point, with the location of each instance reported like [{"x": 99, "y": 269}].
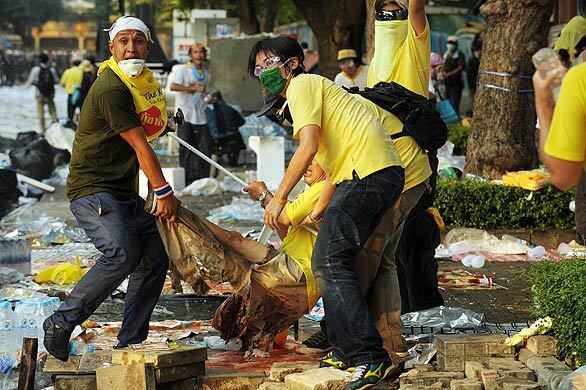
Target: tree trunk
[
  {"x": 247, "y": 15},
  {"x": 502, "y": 137},
  {"x": 336, "y": 24},
  {"x": 269, "y": 15},
  {"x": 369, "y": 29}
]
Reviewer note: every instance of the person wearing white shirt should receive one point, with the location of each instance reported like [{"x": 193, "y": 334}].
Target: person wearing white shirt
[
  {"x": 191, "y": 83},
  {"x": 352, "y": 74}
]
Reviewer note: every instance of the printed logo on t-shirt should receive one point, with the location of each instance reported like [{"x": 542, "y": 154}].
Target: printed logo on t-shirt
[{"x": 151, "y": 120}]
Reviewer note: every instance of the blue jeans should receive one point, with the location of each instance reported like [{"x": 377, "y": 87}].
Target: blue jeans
[
  {"x": 355, "y": 210},
  {"x": 130, "y": 244}
]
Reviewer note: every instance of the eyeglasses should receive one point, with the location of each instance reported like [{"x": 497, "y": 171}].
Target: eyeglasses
[{"x": 270, "y": 63}]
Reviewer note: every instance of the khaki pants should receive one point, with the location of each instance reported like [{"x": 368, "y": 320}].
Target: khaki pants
[
  {"x": 41, "y": 102},
  {"x": 377, "y": 271}
]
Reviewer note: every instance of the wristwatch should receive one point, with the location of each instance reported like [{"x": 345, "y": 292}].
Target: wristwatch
[{"x": 262, "y": 197}]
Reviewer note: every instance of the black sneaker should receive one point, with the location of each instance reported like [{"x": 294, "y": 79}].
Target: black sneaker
[
  {"x": 318, "y": 340},
  {"x": 332, "y": 360},
  {"x": 56, "y": 340},
  {"x": 367, "y": 376}
]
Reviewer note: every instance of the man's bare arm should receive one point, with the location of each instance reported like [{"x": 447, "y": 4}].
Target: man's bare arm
[{"x": 417, "y": 16}]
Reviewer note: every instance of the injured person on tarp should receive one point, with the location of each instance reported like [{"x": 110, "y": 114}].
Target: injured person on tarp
[{"x": 272, "y": 288}]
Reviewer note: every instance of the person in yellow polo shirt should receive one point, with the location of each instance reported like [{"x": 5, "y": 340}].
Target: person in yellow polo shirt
[
  {"x": 367, "y": 175},
  {"x": 562, "y": 139},
  {"x": 71, "y": 80}
]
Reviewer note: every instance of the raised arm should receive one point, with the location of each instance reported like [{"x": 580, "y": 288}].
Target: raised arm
[{"x": 417, "y": 16}]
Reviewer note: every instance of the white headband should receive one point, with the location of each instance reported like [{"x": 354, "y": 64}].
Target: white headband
[{"x": 128, "y": 23}]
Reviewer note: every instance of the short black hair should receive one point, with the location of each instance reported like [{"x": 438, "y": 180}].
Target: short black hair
[
  {"x": 43, "y": 58},
  {"x": 304, "y": 45},
  {"x": 283, "y": 47},
  {"x": 76, "y": 62},
  {"x": 205, "y": 51},
  {"x": 91, "y": 59}
]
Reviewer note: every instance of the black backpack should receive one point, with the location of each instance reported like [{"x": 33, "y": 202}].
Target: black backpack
[
  {"x": 420, "y": 118},
  {"x": 46, "y": 82}
]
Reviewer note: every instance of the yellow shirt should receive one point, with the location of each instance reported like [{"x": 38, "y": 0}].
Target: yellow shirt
[
  {"x": 410, "y": 71},
  {"x": 71, "y": 78},
  {"x": 567, "y": 135},
  {"x": 298, "y": 243},
  {"x": 350, "y": 136}
]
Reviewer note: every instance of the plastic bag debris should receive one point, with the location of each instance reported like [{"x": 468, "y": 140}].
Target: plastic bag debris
[
  {"x": 464, "y": 240},
  {"x": 575, "y": 380},
  {"x": 446, "y": 317},
  {"x": 61, "y": 274},
  {"x": 423, "y": 353},
  {"x": 447, "y": 158},
  {"x": 65, "y": 235},
  {"x": 241, "y": 209},
  {"x": 204, "y": 187},
  {"x": 60, "y": 137},
  {"x": 216, "y": 342}
]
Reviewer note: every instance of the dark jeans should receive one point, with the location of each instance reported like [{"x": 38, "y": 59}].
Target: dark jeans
[
  {"x": 199, "y": 137},
  {"x": 454, "y": 95},
  {"x": 70, "y": 107},
  {"x": 130, "y": 244},
  {"x": 354, "y": 211}
]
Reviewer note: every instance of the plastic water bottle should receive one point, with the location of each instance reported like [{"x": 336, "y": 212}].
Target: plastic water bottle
[
  {"x": 6, "y": 366},
  {"x": 536, "y": 253},
  {"x": 7, "y": 334},
  {"x": 27, "y": 320},
  {"x": 467, "y": 260},
  {"x": 546, "y": 61},
  {"x": 80, "y": 348}
]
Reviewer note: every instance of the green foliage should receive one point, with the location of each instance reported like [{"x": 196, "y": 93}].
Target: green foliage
[
  {"x": 18, "y": 14},
  {"x": 488, "y": 206},
  {"x": 558, "y": 292},
  {"x": 458, "y": 135}
]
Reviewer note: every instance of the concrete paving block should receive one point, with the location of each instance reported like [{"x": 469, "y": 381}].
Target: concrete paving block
[
  {"x": 466, "y": 384},
  {"x": 162, "y": 357},
  {"x": 423, "y": 367},
  {"x": 280, "y": 370},
  {"x": 56, "y": 366},
  {"x": 137, "y": 376},
  {"x": 451, "y": 363},
  {"x": 90, "y": 361},
  {"x": 215, "y": 380},
  {"x": 489, "y": 377},
  {"x": 503, "y": 364},
  {"x": 75, "y": 382},
  {"x": 176, "y": 373},
  {"x": 536, "y": 363},
  {"x": 273, "y": 386},
  {"x": 434, "y": 386},
  {"x": 519, "y": 373},
  {"x": 542, "y": 345},
  {"x": 415, "y": 377},
  {"x": 472, "y": 369},
  {"x": 509, "y": 383},
  {"x": 318, "y": 379},
  {"x": 524, "y": 355},
  {"x": 473, "y": 345}
]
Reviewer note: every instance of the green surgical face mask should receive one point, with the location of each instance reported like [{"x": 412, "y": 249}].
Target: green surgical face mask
[{"x": 273, "y": 81}]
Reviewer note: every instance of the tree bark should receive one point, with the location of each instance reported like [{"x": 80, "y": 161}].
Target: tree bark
[
  {"x": 369, "y": 29},
  {"x": 336, "y": 24},
  {"x": 502, "y": 136},
  {"x": 269, "y": 15},
  {"x": 247, "y": 15}
]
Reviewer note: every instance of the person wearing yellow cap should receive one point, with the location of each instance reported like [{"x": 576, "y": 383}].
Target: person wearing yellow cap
[
  {"x": 353, "y": 73},
  {"x": 123, "y": 111}
]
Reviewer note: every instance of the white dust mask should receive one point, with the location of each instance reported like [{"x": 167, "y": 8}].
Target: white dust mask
[{"x": 132, "y": 68}]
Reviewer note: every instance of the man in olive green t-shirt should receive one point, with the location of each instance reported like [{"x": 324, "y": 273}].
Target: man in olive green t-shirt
[{"x": 110, "y": 144}]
